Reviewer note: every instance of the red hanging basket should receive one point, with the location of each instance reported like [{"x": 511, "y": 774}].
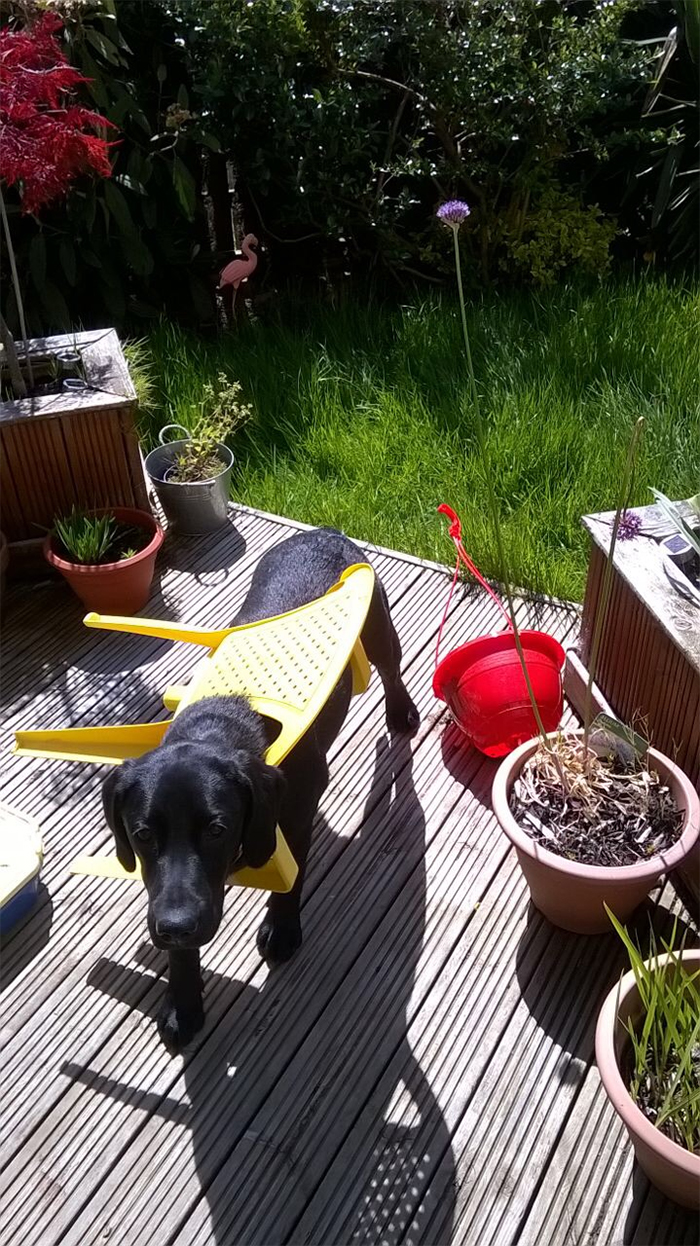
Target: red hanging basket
[{"x": 483, "y": 684}]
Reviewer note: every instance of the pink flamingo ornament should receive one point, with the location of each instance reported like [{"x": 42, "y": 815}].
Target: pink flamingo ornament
[{"x": 241, "y": 268}]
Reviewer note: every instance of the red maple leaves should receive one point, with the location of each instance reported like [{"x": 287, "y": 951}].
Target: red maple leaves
[{"x": 45, "y": 139}]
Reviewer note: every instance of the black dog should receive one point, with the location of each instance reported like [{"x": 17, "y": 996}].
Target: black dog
[{"x": 205, "y": 801}]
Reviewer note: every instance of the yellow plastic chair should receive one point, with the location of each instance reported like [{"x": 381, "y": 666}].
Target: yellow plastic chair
[{"x": 287, "y": 666}]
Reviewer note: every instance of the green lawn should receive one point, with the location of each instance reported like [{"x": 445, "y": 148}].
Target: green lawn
[{"x": 363, "y": 418}]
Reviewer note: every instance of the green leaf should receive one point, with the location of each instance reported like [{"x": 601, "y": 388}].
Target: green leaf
[
  {"x": 162, "y": 73},
  {"x": 37, "y": 261},
  {"x": 183, "y": 98},
  {"x": 210, "y": 141},
  {"x": 185, "y": 187},
  {"x": 604, "y": 722},
  {"x": 137, "y": 255},
  {"x": 666, "y": 180},
  {"x": 66, "y": 252},
  {"x": 55, "y": 306},
  {"x": 119, "y": 208},
  {"x": 667, "y": 507},
  {"x": 113, "y": 295},
  {"x": 103, "y": 45},
  {"x": 131, "y": 183}
]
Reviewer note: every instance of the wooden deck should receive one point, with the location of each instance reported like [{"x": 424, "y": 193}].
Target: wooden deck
[{"x": 421, "y": 1073}]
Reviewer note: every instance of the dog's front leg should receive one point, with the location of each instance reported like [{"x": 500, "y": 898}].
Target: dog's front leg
[
  {"x": 306, "y": 773},
  {"x": 182, "y": 1012}
]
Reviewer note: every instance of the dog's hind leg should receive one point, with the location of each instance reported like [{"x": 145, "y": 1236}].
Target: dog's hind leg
[{"x": 383, "y": 649}]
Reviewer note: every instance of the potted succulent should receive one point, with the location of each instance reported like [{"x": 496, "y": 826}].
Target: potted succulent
[
  {"x": 108, "y": 557},
  {"x": 192, "y": 476},
  {"x": 648, "y": 1055}
]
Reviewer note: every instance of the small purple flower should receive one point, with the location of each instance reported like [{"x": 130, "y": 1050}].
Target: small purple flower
[
  {"x": 453, "y": 213},
  {"x": 630, "y": 526}
]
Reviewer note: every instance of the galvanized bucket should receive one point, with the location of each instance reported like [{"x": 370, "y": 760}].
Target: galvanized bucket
[{"x": 196, "y": 508}]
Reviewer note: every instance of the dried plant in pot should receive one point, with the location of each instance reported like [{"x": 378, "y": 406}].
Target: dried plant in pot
[
  {"x": 108, "y": 557},
  {"x": 578, "y": 845},
  {"x": 648, "y": 1054},
  {"x": 192, "y": 476}
]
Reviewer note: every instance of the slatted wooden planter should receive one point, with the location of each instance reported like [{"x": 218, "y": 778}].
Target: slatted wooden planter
[
  {"x": 648, "y": 667},
  {"x": 65, "y": 449}
]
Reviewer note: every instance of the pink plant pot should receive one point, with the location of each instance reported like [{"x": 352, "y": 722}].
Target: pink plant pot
[
  {"x": 572, "y": 895},
  {"x": 670, "y": 1167}
]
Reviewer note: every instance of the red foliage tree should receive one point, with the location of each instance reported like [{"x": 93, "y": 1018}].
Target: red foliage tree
[{"x": 45, "y": 138}]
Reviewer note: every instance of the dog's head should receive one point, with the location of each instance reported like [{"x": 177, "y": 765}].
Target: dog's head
[{"x": 191, "y": 817}]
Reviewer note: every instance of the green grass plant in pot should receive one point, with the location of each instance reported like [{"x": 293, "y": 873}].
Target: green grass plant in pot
[
  {"x": 107, "y": 557},
  {"x": 192, "y": 476},
  {"x": 648, "y": 1055}
]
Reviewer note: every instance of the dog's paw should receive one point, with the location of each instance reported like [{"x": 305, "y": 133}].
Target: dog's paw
[
  {"x": 402, "y": 716},
  {"x": 278, "y": 941},
  {"x": 178, "y": 1026}
]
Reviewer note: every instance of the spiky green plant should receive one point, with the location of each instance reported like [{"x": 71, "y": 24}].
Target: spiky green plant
[
  {"x": 87, "y": 539},
  {"x": 665, "y": 1043}
]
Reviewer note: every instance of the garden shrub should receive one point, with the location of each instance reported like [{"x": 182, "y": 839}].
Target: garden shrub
[{"x": 348, "y": 121}]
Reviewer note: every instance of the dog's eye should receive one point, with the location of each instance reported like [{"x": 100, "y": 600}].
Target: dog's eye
[
  {"x": 215, "y": 829},
  {"x": 143, "y": 834}
]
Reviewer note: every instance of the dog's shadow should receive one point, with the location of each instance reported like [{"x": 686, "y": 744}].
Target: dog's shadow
[{"x": 396, "y": 1143}]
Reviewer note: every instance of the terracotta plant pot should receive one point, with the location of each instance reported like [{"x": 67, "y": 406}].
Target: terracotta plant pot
[
  {"x": 572, "y": 895},
  {"x": 669, "y": 1166},
  {"x": 113, "y": 587}
]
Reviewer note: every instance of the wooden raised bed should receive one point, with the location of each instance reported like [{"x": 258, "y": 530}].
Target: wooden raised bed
[
  {"x": 65, "y": 449},
  {"x": 648, "y": 667}
]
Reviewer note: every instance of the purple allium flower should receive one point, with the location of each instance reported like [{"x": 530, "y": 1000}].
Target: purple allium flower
[
  {"x": 630, "y": 526},
  {"x": 453, "y": 213}
]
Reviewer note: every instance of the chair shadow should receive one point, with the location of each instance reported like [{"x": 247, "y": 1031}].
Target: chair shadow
[
  {"x": 396, "y": 1163},
  {"x": 21, "y": 944}
]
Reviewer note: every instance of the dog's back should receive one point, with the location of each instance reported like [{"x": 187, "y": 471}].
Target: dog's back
[{"x": 298, "y": 570}]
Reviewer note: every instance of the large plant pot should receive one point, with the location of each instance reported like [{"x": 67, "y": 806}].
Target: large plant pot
[
  {"x": 572, "y": 895},
  {"x": 114, "y": 587},
  {"x": 670, "y": 1167},
  {"x": 192, "y": 509}
]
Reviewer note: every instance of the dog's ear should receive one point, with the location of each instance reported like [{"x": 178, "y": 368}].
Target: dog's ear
[
  {"x": 266, "y": 788},
  {"x": 111, "y": 802}
]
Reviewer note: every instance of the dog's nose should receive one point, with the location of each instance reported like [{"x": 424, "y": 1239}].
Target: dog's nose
[{"x": 175, "y": 929}]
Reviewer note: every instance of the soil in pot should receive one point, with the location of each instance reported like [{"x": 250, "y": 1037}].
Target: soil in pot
[{"x": 611, "y": 811}]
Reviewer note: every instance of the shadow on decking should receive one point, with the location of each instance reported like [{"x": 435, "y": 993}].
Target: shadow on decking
[{"x": 389, "y": 1197}]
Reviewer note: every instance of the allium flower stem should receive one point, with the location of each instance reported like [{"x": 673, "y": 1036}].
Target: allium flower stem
[{"x": 490, "y": 490}]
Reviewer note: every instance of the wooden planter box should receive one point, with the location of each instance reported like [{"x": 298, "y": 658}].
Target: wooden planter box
[
  {"x": 648, "y": 666},
  {"x": 69, "y": 449}
]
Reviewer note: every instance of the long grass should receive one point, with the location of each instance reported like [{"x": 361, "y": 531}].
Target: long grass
[{"x": 363, "y": 417}]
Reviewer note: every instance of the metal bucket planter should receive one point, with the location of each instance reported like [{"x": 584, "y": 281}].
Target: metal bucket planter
[{"x": 192, "y": 508}]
